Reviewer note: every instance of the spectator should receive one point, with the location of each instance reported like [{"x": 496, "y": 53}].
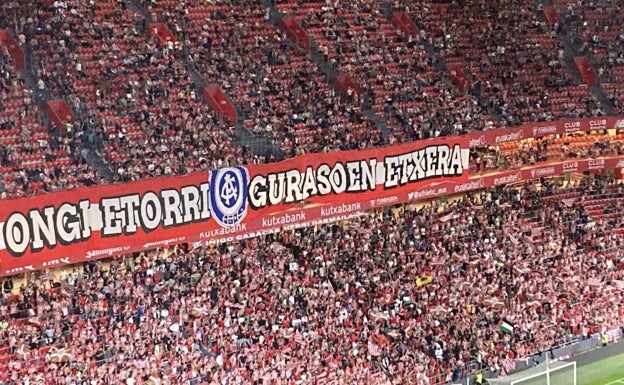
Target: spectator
[{"x": 339, "y": 303}]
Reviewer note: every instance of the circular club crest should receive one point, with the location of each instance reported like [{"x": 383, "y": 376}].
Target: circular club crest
[{"x": 228, "y": 195}]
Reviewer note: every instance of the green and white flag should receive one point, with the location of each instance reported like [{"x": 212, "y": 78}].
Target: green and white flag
[{"x": 505, "y": 326}]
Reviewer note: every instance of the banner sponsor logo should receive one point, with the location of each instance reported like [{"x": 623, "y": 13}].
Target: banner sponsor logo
[
  {"x": 570, "y": 167},
  {"x": 427, "y": 193},
  {"x": 620, "y": 164},
  {"x": 500, "y": 135},
  {"x": 598, "y": 124},
  {"x": 596, "y": 164},
  {"x": 284, "y": 219},
  {"x": 223, "y": 231},
  {"x": 510, "y": 137},
  {"x": 384, "y": 201},
  {"x": 56, "y": 262},
  {"x": 477, "y": 142},
  {"x": 545, "y": 130},
  {"x": 341, "y": 209},
  {"x": 20, "y": 270},
  {"x": 164, "y": 242},
  {"x": 472, "y": 185},
  {"x": 512, "y": 178},
  {"x": 109, "y": 252},
  {"x": 542, "y": 172},
  {"x": 571, "y": 126}
]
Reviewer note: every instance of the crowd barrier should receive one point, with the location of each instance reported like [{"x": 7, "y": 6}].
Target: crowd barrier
[
  {"x": 295, "y": 32},
  {"x": 161, "y": 33},
  {"x": 459, "y": 78},
  {"x": 585, "y": 69},
  {"x": 237, "y": 203},
  {"x": 404, "y": 23},
  {"x": 563, "y": 352},
  {"x": 220, "y": 103},
  {"x": 14, "y": 50},
  {"x": 550, "y": 15},
  {"x": 59, "y": 113},
  {"x": 346, "y": 85}
]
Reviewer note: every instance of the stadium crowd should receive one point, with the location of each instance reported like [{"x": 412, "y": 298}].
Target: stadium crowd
[
  {"x": 31, "y": 159},
  {"x": 140, "y": 97},
  {"x": 512, "y": 75},
  {"x": 126, "y": 90},
  {"x": 281, "y": 91},
  {"x": 407, "y": 295},
  {"x": 594, "y": 30},
  {"x": 516, "y": 64},
  {"x": 403, "y": 77},
  {"x": 135, "y": 93}
]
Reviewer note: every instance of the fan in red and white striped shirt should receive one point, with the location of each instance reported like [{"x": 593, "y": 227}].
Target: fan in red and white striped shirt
[{"x": 373, "y": 349}]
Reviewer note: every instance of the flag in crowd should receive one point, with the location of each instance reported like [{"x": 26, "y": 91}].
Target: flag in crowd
[
  {"x": 373, "y": 349},
  {"x": 593, "y": 282},
  {"x": 299, "y": 338},
  {"x": 60, "y": 354},
  {"x": 511, "y": 237},
  {"x": 569, "y": 202},
  {"x": 446, "y": 217},
  {"x": 508, "y": 365},
  {"x": 422, "y": 281},
  {"x": 506, "y": 326},
  {"x": 22, "y": 352},
  {"x": 330, "y": 287},
  {"x": 493, "y": 302}
]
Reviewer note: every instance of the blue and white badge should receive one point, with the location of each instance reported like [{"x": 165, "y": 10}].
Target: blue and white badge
[{"x": 228, "y": 195}]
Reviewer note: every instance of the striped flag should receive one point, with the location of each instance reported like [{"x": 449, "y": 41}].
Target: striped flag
[
  {"x": 446, "y": 217},
  {"x": 549, "y": 286},
  {"x": 568, "y": 202},
  {"x": 373, "y": 349},
  {"x": 376, "y": 377},
  {"x": 508, "y": 365},
  {"x": 61, "y": 355},
  {"x": 298, "y": 338},
  {"x": 322, "y": 378},
  {"x": 593, "y": 282},
  {"x": 23, "y": 352},
  {"x": 330, "y": 287},
  {"x": 512, "y": 238}
]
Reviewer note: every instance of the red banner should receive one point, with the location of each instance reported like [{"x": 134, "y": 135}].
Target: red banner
[
  {"x": 241, "y": 202},
  {"x": 223, "y": 205},
  {"x": 543, "y": 170},
  {"x": 537, "y": 130}
]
